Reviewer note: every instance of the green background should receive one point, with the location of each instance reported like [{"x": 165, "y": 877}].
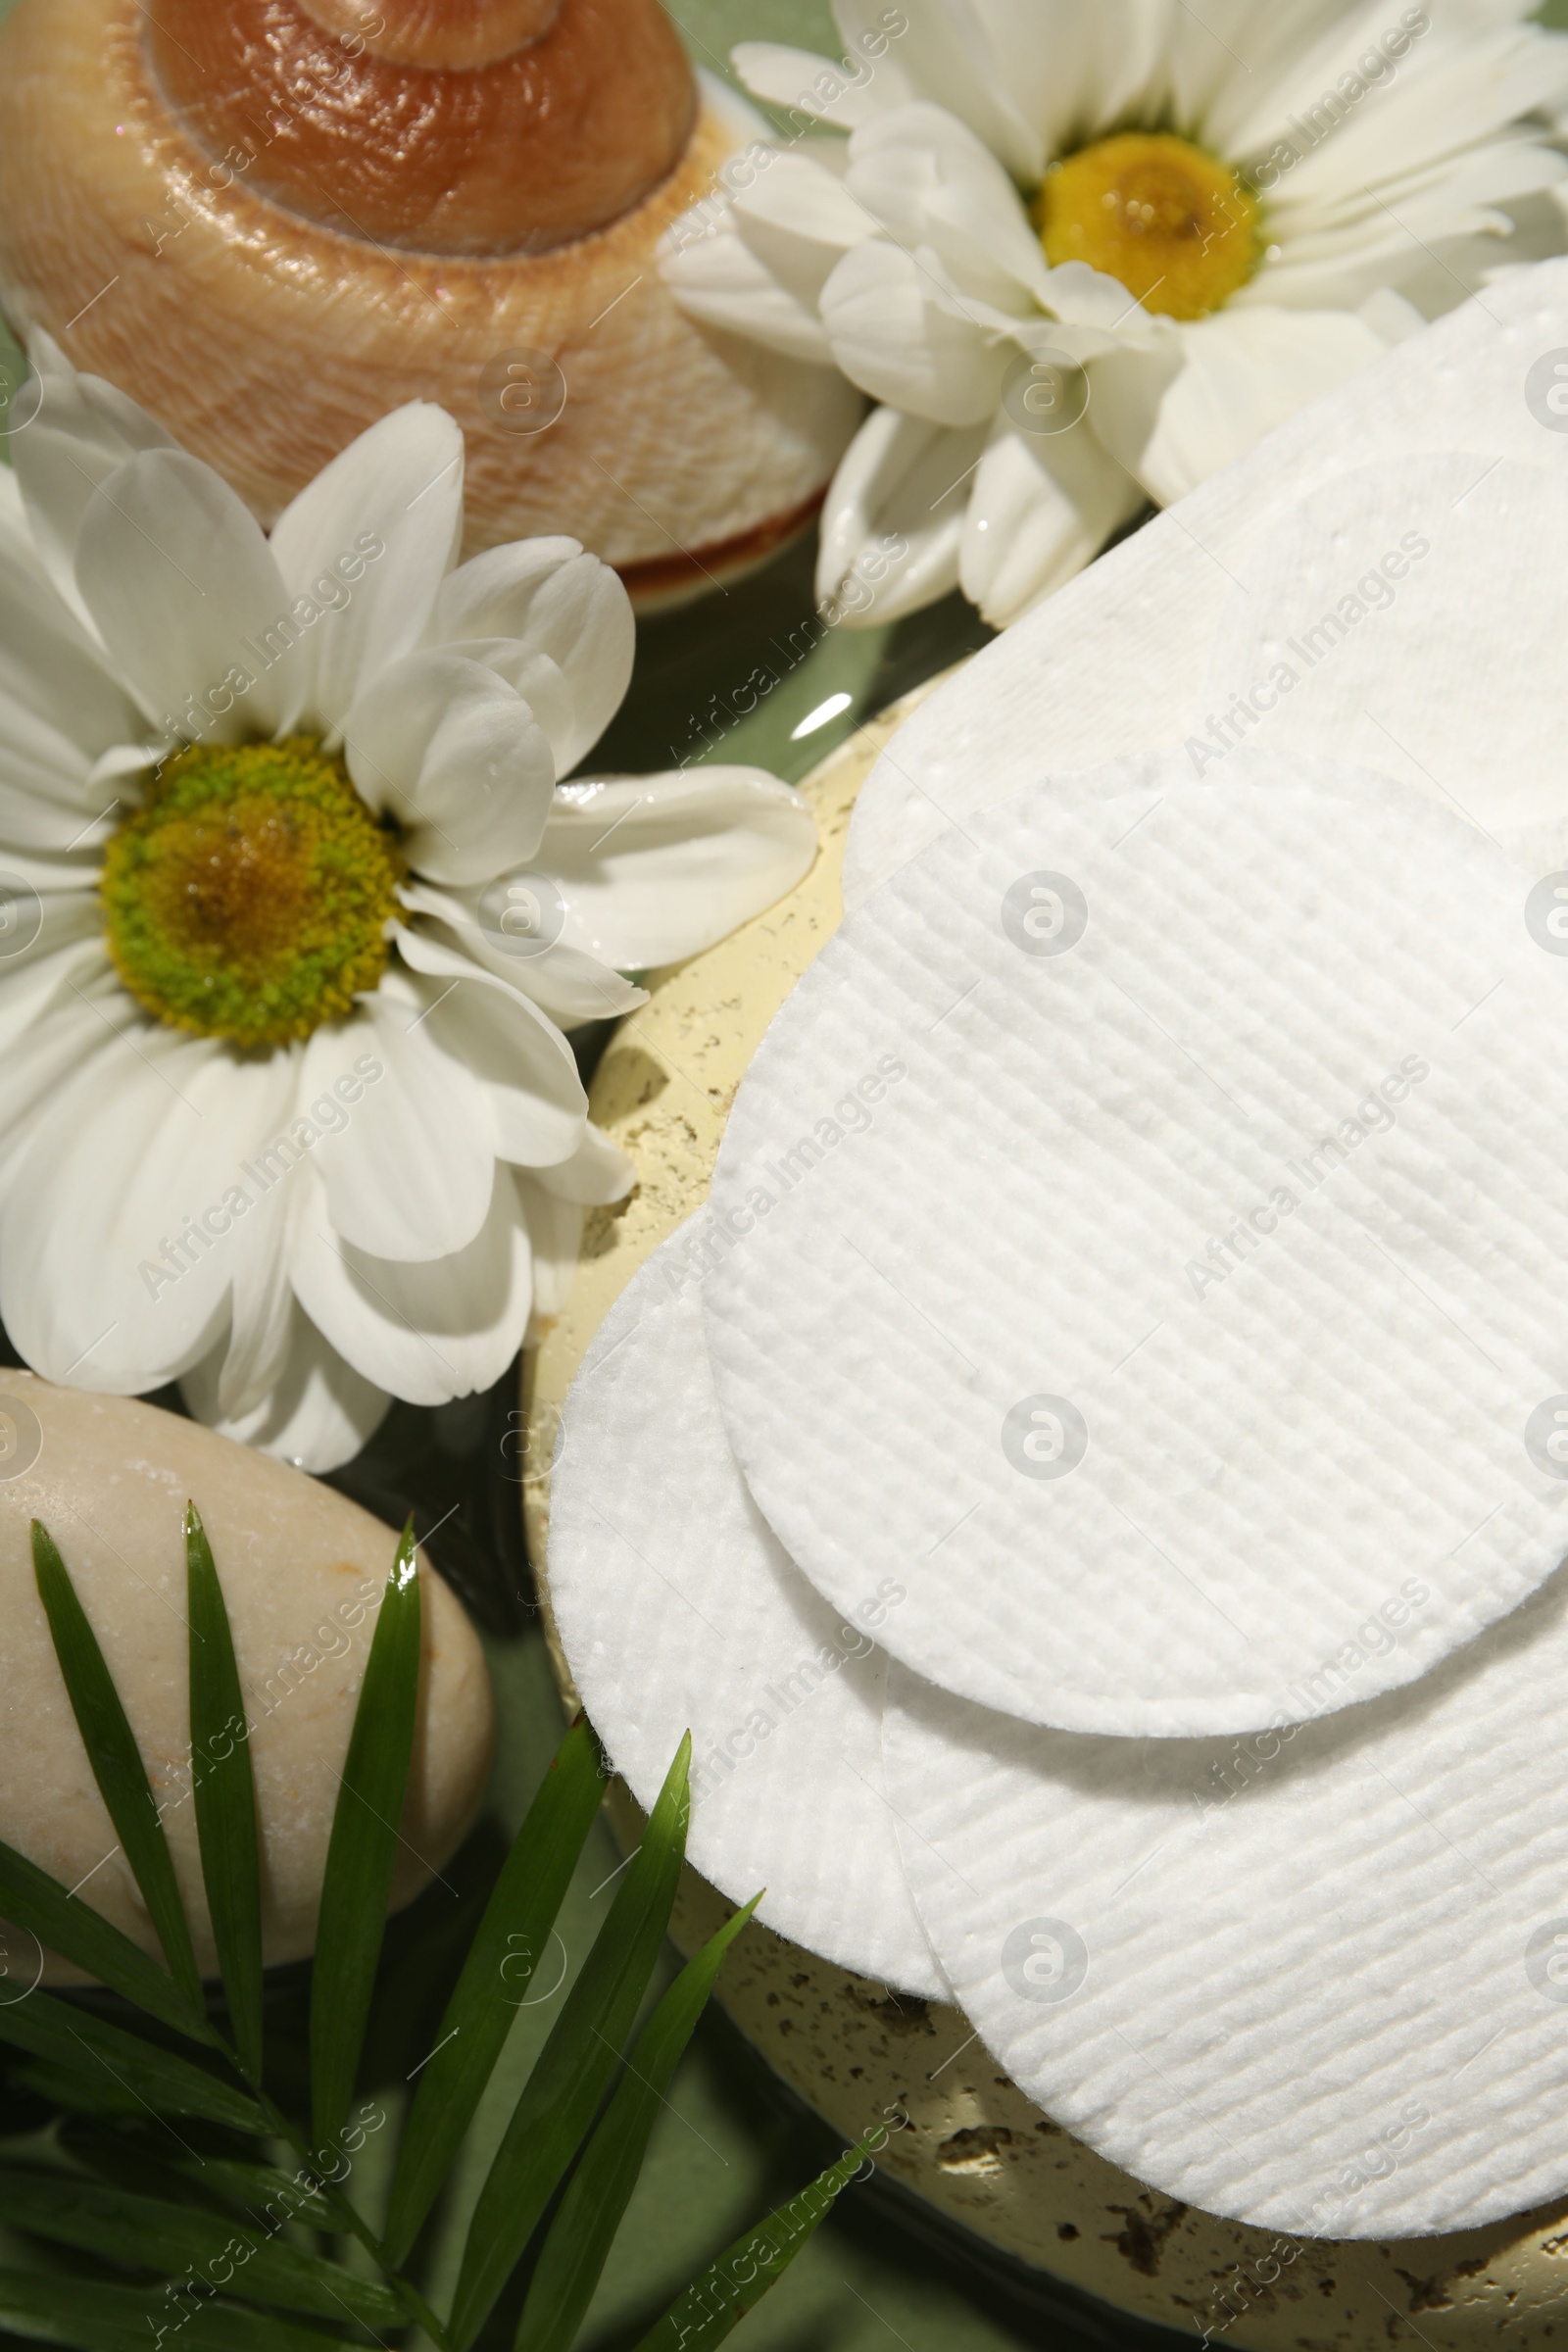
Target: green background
[{"x": 727, "y": 2145}]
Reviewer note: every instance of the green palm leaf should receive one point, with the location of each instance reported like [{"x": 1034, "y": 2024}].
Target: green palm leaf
[
  {"x": 150, "y": 2163},
  {"x": 512, "y": 1936},
  {"x": 585, "y": 2229},
  {"x": 181, "y": 2208},
  {"x": 102, "y": 2054},
  {"x": 577, "y": 2061},
  {"x": 149, "y": 2233},
  {"x": 117, "y": 1769},
  {"x": 708, "y": 2310},
  {"x": 31, "y": 1899},
  {"x": 364, "y": 1846},
  {"x": 226, "y": 1798},
  {"x": 123, "y": 2318}
]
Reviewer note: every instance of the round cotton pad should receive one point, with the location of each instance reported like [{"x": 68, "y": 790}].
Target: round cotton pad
[
  {"x": 1315, "y": 1980},
  {"x": 1145, "y": 1236},
  {"x": 1398, "y": 616},
  {"x": 678, "y": 1610}
]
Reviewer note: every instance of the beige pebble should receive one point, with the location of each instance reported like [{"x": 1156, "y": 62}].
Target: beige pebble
[{"x": 302, "y": 1571}]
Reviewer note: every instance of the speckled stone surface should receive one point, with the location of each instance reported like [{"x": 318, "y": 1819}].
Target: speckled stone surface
[
  {"x": 302, "y": 1571},
  {"x": 974, "y": 2148}
]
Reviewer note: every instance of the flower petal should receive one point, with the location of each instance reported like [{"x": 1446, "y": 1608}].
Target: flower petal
[
  {"x": 946, "y": 53},
  {"x": 898, "y": 333},
  {"x": 597, "y": 1173},
  {"x": 932, "y": 183},
  {"x": 893, "y": 518},
  {"x": 115, "y": 1263},
  {"x": 84, "y": 432},
  {"x": 378, "y": 530},
  {"x": 178, "y": 580},
  {"x": 255, "y": 1359},
  {"x": 447, "y": 749},
  {"x": 67, "y": 945},
  {"x": 555, "y": 1236},
  {"x": 1244, "y": 371},
  {"x": 319, "y": 1414},
  {"x": 406, "y": 1168},
  {"x": 1041, "y": 508},
  {"x": 55, "y": 689},
  {"x": 716, "y": 276},
  {"x": 654, "y": 868},
  {"x": 428, "y": 1331},
  {"x": 563, "y": 606},
  {"x": 799, "y": 79},
  {"x": 518, "y": 1057},
  {"x": 563, "y": 982}
]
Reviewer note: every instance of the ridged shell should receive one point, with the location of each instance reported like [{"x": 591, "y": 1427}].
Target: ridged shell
[{"x": 264, "y": 343}]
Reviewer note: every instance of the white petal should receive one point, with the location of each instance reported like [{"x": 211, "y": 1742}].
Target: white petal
[
  {"x": 554, "y": 1234},
  {"x": 567, "y": 985},
  {"x": 799, "y": 79},
  {"x": 47, "y": 941},
  {"x": 524, "y": 1067},
  {"x": 254, "y": 1360},
  {"x": 376, "y": 533},
  {"x": 85, "y": 430},
  {"x": 407, "y": 1172},
  {"x": 457, "y": 759},
  {"x": 1245, "y": 372},
  {"x": 317, "y": 1416},
  {"x": 946, "y": 54},
  {"x": 563, "y": 606},
  {"x": 597, "y": 1173},
  {"x": 427, "y": 1332},
  {"x": 892, "y": 517},
  {"x": 53, "y": 678},
  {"x": 932, "y": 183},
  {"x": 178, "y": 580},
  {"x": 657, "y": 868},
  {"x": 79, "y": 1031},
  {"x": 898, "y": 333},
  {"x": 716, "y": 276},
  {"x": 143, "y": 1149},
  {"x": 1041, "y": 508}
]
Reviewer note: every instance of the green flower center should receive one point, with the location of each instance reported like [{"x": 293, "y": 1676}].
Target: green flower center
[
  {"x": 1178, "y": 228},
  {"x": 247, "y": 896}
]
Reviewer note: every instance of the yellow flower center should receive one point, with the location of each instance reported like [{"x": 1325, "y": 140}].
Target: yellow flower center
[
  {"x": 1178, "y": 228},
  {"x": 247, "y": 896}
]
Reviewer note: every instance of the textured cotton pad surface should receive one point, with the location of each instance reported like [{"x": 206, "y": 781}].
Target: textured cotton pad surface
[
  {"x": 679, "y": 1610},
  {"x": 1315, "y": 1980},
  {"x": 1145, "y": 1236},
  {"x": 1407, "y": 616}
]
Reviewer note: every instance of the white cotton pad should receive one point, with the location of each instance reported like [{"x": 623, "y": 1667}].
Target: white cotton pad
[
  {"x": 678, "y": 1610},
  {"x": 1315, "y": 1980},
  {"x": 1409, "y": 616},
  {"x": 1111, "y": 664},
  {"x": 1146, "y": 1238}
]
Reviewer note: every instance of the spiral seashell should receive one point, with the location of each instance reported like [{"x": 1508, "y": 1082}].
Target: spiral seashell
[{"x": 271, "y": 221}]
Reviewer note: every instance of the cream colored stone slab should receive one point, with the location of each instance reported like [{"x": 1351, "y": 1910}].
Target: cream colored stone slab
[{"x": 302, "y": 1571}]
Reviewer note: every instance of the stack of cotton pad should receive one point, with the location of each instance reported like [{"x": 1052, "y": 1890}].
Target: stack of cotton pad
[{"x": 1093, "y": 1479}]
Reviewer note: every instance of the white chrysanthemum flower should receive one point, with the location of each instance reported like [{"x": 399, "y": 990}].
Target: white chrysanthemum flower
[
  {"x": 1082, "y": 255},
  {"x": 292, "y": 910}
]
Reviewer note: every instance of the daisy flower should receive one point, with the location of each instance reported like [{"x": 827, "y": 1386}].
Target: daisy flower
[
  {"x": 294, "y": 914},
  {"x": 1082, "y": 256}
]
